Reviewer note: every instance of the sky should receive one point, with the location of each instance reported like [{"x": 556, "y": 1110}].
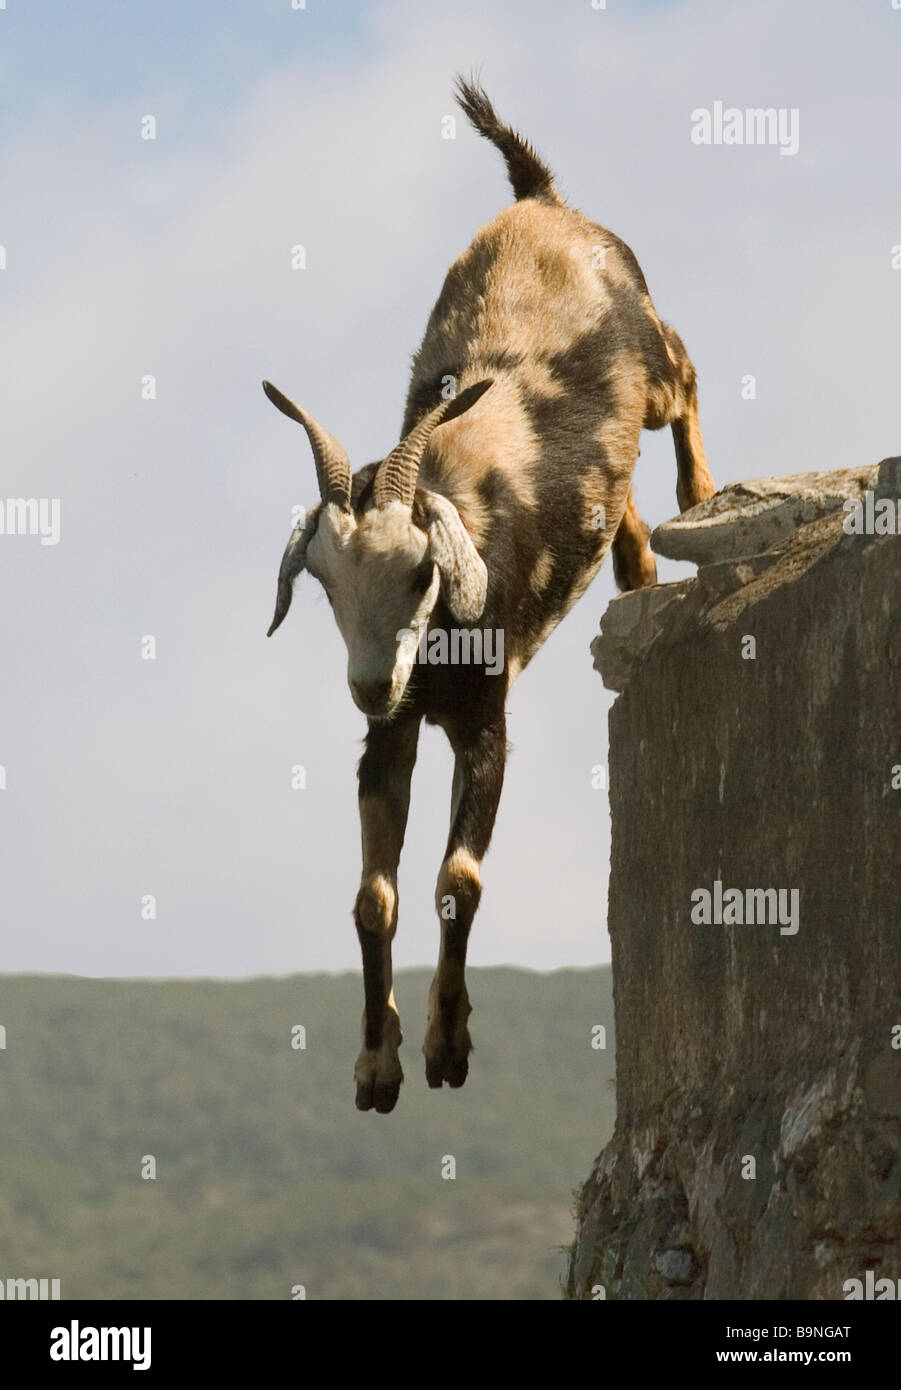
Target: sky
[{"x": 126, "y": 258}]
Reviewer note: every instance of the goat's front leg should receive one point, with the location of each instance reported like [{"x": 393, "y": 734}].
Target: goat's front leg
[
  {"x": 384, "y": 774},
  {"x": 478, "y": 779}
]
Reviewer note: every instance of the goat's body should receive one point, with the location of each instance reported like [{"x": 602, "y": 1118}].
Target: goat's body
[
  {"x": 556, "y": 311},
  {"x": 535, "y": 487}
]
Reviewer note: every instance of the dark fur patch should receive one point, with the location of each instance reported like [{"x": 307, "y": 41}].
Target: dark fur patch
[
  {"x": 529, "y": 175},
  {"x": 378, "y": 761}
]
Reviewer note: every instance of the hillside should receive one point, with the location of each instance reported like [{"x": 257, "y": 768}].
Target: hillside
[{"x": 267, "y": 1176}]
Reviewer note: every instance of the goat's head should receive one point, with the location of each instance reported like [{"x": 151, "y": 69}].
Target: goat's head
[{"x": 383, "y": 567}]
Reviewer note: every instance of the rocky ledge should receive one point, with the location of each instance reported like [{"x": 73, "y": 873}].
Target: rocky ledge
[
  {"x": 755, "y": 905},
  {"x": 750, "y": 537}
]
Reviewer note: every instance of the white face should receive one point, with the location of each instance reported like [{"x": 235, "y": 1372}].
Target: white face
[{"x": 381, "y": 582}]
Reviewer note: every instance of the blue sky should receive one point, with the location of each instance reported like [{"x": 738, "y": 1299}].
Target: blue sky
[
  {"x": 108, "y": 51},
  {"x": 127, "y": 257}
]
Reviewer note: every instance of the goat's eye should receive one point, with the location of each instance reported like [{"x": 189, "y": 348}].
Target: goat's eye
[{"x": 422, "y": 577}]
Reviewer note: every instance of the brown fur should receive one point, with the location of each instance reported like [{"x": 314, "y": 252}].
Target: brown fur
[{"x": 554, "y": 310}]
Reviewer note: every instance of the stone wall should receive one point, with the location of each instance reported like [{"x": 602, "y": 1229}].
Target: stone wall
[{"x": 756, "y": 744}]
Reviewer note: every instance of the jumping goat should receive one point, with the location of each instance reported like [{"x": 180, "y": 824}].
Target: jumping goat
[{"x": 542, "y": 361}]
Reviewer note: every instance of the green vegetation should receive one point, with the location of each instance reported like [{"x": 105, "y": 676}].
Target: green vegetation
[{"x": 266, "y": 1175}]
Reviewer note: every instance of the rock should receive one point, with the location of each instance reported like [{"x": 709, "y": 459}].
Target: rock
[
  {"x": 749, "y": 518},
  {"x": 757, "y": 1150},
  {"x": 629, "y": 626},
  {"x": 808, "y": 1111},
  {"x": 882, "y": 1085},
  {"x": 675, "y": 1266},
  {"x": 889, "y": 479},
  {"x": 729, "y": 575},
  {"x": 778, "y": 525}
]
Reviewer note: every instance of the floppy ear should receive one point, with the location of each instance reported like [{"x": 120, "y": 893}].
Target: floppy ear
[
  {"x": 292, "y": 563},
  {"x": 464, "y": 578}
]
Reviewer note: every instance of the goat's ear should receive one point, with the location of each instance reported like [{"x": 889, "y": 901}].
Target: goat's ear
[
  {"x": 464, "y": 577},
  {"x": 292, "y": 563}
]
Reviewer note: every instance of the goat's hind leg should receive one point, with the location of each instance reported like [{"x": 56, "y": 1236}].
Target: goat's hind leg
[
  {"x": 478, "y": 779},
  {"x": 384, "y": 774},
  {"x": 634, "y": 566},
  {"x": 694, "y": 483}
]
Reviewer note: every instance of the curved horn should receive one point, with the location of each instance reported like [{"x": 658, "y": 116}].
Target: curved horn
[
  {"x": 291, "y": 565},
  {"x": 396, "y": 478},
  {"x": 332, "y": 463}
]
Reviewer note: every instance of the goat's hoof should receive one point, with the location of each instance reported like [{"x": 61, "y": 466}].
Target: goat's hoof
[
  {"x": 378, "y": 1076},
  {"x": 447, "y": 1042},
  {"x": 377, "y": 1070},
  {"x": 446, "y": 1065},
  {"x": 380, "y": 1096}
]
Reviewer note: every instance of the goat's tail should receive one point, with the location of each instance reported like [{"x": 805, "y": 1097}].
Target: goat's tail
[{"x": 529, "y": 175}]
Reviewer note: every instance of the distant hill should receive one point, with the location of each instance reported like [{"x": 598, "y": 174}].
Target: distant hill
[{"x": 266, "y": 1175}]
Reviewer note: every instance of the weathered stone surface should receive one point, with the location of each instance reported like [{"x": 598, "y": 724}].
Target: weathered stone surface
[
  {"x": 888, "y": 483},
  {"x": 728, "y": 575},
  {"x": 675, "y": 1266},
  {"x": 795, "y": 523},
  {"x": 629, "y": 626},
  {"x": 749, "y": 518},
  {"x": 739, "y": 1049}
]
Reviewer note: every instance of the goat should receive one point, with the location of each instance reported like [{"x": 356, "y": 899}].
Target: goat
[{"x": 542, "y": 361}]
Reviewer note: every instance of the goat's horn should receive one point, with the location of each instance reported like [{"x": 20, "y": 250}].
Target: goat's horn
[
  {"x": 332, "y": 463},
  {"x": 396, "y": 479}
]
